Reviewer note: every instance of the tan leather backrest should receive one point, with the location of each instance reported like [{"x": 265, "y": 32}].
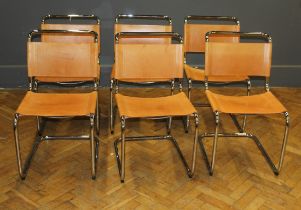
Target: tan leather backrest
[
  {"x": 56, "y": 59},
  {"x": 69, "y": 37},
  {"x": 249, "y": 59},
  {"x": 194, "y": 35},
  {"x": 148, "y": 61},
  {"x": 143, "y": 28}
]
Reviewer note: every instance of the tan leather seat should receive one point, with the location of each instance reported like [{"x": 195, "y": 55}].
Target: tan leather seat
[
  {"x": 198, "y": 74},
  {"x": 137, "y": 107},
  {"x": 265, "y": 103},
  {"x": 58, "y": 104}
]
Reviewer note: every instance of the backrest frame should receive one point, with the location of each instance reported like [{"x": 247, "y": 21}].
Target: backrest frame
[
  {"x": 85, "y": 46},
  {"x": 194, "y": 33},
  {"x": 134, "y": 50},
  {"x": 125, "y": 27},
  {"x": 217, "y": 51}
]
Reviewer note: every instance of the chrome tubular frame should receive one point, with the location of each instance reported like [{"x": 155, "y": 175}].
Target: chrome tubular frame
[
  {"x": 256, "y": 35},
  {"x": 23, "y": 169},
  {"x": 70, "y": 17},
  {"x": 172, "y": 35},
  {"x": 39, "y": 32},
  {"x": 241, "y": 130},
  {"x": 211, "y": 18},
  {"x": 123, "y": 139},
  {"x": 144, "y": 17}
]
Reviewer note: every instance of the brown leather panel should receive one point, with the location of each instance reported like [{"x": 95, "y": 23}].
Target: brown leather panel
[
  {"x": 134, "y": 107},
  {"x": 244, "y": 59},
  {"x": 69, "y": 37},
  {"x": 197, "y": 74},
  {"x": 138, "y": 80},
  {"x": 148, "y": 61},
  {"x": 57, "y": 104},
  {"x": 194, "y": 35},
  {"x": 67, "y": 60},
  {"x": 265, "y": 103},
  {"x": 143, "y": 28}
]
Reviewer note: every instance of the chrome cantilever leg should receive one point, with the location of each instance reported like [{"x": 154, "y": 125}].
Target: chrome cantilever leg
[
  {"x": 122, "y": 174},
  {"x": 210, "y": 166},
  {"x": 111, "y": 122},
  {"x": 194, "y": 150},
  {"x": 24, "y": 169},
  {"x": 275, "y": 169},
  {"x": 121, "y": 158},
  {"x": 93, "y": 151},
  {"x": 39, "y": 138},
  {"x": 172, "y": 87},
  {"x": 189, "y": 97},
  {"x": 97, "y": 116},
  {"x": 245, "y": 116}
]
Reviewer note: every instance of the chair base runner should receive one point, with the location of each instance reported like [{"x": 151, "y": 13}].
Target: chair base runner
[
  {"x": 147, "y": 138},
  {"x": 23, "y": 170},
  {"x": 275, "y": 169}
]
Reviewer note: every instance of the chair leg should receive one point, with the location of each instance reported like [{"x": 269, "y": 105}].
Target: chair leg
[
  {"x": 275, "y": 169},
  {"x": 284, "y": 143},
  {"x": 39, "y": 129},
  {"x": 17, "y": 144},
  {"x": 245, "y": 116},
  {"x": 111, "y": 107},
  {"x": 122, "y": 175},
  {"x": 172, "y": 87},
  {"x": 196, "y": 134},
  {"x": 97, "y": 116},
  {"x": 214, "y": 143},
  {"x": 92, "y": 141},
  {"x": 23, "y": 169},
  {"x": 215, "y": 135},
  {"x": 189, "y": 97}
]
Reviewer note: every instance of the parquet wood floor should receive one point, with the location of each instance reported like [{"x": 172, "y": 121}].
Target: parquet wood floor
[{"x": 59, "y": 177}]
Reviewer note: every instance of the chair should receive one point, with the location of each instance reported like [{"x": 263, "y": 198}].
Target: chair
[
  {"x": 126, "y": 27},
  {"x": 77, "y": 60},
  {"x": 150, "y": 62},
  {"x": 245, "y": 59},
  {"x": 87, "y": 22},
  {"x": 195, "y": 28}
]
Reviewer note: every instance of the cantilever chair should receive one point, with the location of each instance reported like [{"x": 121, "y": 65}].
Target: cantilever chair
[
  {"x": 59, "y": 60},
  {"x": 138, "y": 27},
  {"x": 150, "y": 62},
  {"x": 245, "y": 59},
  {"x": 85, "y": 22},
  {"x": 195, "y": 28}
]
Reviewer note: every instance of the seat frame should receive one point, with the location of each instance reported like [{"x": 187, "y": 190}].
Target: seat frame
[
  {"x": 241, "y": 131},
  {"x": 120, "y": 158},
  {"x": 247, "y": 82},
  {"x": 94, "y": 139},
  {"x": 114, "y": 84}
]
